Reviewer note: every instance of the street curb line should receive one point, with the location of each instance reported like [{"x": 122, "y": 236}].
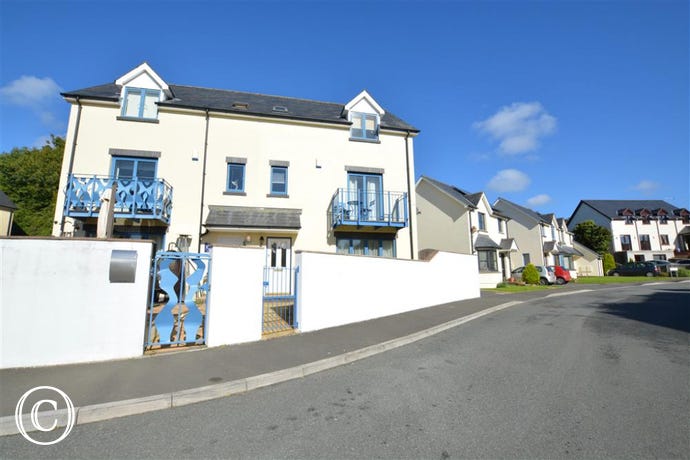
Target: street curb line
[{"x": 116, "y": 409}]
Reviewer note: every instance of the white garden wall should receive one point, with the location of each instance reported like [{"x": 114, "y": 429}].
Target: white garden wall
[
  {"x": 340, "y": 289},
  {"x": 235, "y": 305},
  {"x": 58, "y": 305}
]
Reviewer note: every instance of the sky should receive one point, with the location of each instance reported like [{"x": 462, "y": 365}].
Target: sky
[{"x": 544, "y": 103}]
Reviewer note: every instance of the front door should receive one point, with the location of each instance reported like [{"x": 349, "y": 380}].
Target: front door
[{"x": 278, "y": 274}]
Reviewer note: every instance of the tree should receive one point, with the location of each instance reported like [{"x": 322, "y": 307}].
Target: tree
[
  {"x": 30, "y": 177},
  {"x": 594, "y": 236},
  {"x": 609, "y": 263}
]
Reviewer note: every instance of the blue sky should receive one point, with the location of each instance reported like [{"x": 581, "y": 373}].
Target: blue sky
[{"x": 542, "y": 103}]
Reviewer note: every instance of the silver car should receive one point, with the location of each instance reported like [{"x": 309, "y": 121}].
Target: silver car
[{"x": 546, "y": 274}]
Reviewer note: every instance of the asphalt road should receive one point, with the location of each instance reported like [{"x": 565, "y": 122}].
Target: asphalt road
[{"x": 602, "y": 374}]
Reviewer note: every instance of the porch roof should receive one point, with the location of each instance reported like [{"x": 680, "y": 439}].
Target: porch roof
[
  {"x": 485, "y": 242},
  {"x": 250, "y": 217}
]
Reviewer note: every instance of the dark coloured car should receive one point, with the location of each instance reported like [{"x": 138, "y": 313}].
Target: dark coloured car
[
  {"x": 635, "y": 269},
  {"x": 682, "y": 263},
  {"x": 662, "y": 264}
]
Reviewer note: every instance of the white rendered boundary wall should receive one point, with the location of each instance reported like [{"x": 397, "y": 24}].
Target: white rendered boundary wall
[
  {"x": 58, "y": 305},
  {"x": 337, "y": 289}
]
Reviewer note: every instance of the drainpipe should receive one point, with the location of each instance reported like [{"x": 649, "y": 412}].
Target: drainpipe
[
  {"x": 409, "y": 195},
  {"x": 469, "y": 214},
  {"x": 203, "y": 182},
  {"x": 71, "y": 160}
]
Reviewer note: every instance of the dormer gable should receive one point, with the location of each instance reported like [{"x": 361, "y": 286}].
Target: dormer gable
[
  {"x": 365, "y": 115},
  {"x": 142, "y": 89}
]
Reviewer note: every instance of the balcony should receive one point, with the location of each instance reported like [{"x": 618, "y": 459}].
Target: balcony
[
  {"x": 135, "y": 198},
  {"x": 358, "y": 208}
]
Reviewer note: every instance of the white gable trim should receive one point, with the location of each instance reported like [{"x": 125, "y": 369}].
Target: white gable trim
[
  {"x": 139, "y": 71},
  {"x": 361, "y": 101}
]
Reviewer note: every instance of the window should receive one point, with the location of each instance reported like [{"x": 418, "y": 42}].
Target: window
[
  {"x": 365, "y": 196},
  {"x": 626, "y": 244},
  {"x": 482, "y": 221},
  {"x": 278, "y": 180},
  {"x": 487, "y": 261},
  {"x": 366, "y": 246},
  {"x": 659, "y": 257},
  {"x": 525, "y": 258},
  {"x": 134, "y": 168},
  {"x": 235, "y": 177},
  {"x": 140, "y": 103},
  {"x": 500, "y": 226},
  {"x": 664, "y": 239},
  {"x": 629, "y": 220},
  {"x": 645, "y": 244},
  {"x": 663, "y": 219},
  {"x": 364, "y": 126}
]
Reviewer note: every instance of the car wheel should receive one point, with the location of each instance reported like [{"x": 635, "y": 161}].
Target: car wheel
[
  {"x": 616, "y": 274},
  {"x": 560, "y": 281},
  {"x": 543, "y": 281}
]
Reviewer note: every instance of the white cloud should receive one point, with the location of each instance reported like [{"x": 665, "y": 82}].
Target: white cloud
[
  {"x": 509, "y": 180},
  {"x": 30, "y": 91},
  {"x": 518, "y": 127},
  {"x": 646, "y": 186},
  {"x": 539, "y": 200}
]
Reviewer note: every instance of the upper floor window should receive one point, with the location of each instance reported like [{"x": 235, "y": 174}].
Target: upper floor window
[
  {"x": 365, "y": 126},
  {"x": 664, "y": 239},
  {"x": 235, "y": 177},
  {"x": 279, "y": 180},
  {"x": 500, "y": 226},
  {"x": 645, "y": 243},
  {"x": 482, "y": 221},
  {"x": 140, "y": 103},
  {"x": 626, "y": 244},
  {"x": 134, "y": 168}
]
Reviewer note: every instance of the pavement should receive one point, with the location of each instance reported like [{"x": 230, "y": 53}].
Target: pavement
[{"x": 110, "y": 389}]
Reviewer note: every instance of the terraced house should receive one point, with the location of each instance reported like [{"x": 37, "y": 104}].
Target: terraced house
[
  {"x": 207, "y": 166},
  {"x": 641, "y": 229}
]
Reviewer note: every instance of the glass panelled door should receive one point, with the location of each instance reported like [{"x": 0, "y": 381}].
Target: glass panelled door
[
  {"x": 365, "y": 198},
  {"x": 135, "y": 183},
  {"x": 278, "y": 275}
]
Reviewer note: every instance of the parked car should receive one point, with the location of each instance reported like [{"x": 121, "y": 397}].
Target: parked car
[
  {"x": 635, "y": 269},
  {"x": 681, "y": 263},
  {"x": 662, "y": 264},
  {"x": 546, "y": 274},
  {"x": 562, "y": 275}
]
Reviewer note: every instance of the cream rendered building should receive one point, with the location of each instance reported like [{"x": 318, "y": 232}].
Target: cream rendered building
[
  {"x": 7, "y": 209},
  {"x": 454, "y": 220},
  {"x": 227, "y": 167}
]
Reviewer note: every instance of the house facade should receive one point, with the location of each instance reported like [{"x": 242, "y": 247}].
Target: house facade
[
  {"x": 191, "y": 167},
  {"x": 454, "y": 220},
  {"x": 543, "y": 239},
  {"x": 7, "y": 209},
  {"x": 641, "y": 229}
]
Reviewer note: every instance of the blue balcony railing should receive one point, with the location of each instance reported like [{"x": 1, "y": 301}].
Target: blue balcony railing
[
  {"x": 134, "y": 198},
  {"x": 368, "y": 208}
]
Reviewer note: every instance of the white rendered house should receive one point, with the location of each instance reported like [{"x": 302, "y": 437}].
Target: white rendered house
[
  {"x": 641, "y": 229},
  {"x": 236, "y": 168},
  {"x": 543, "y": 239},
  {"x": 451, "y": 219}
]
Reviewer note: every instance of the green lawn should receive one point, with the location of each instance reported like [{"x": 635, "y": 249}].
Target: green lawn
[
  {"x": 620, "y": 279},
  {"x": 525, "y": 288}
]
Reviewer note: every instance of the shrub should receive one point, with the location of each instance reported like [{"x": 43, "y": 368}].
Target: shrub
[
  {"x": 609, "y": 263},
  {"x": 684, "y": 272},
  {"x": 501, "y": 285},
  {"x": 530, "y": 275}
]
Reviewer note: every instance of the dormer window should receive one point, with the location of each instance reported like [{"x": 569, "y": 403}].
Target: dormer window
[
  {"x": 140, "y": 103},
  {"x": 365, "y": 126}
]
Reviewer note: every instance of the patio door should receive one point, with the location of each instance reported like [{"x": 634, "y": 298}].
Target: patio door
[
  {"x": 135, "y": 183},
  {"x": 365, "y": 195},
  {"x": 278, "y": 273}
]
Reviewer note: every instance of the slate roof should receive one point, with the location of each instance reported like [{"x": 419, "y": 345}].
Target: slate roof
[
  {"x": 555, "y": 248},
  {"x": 220, "y": 100},
  {"x": 484, "y": 242},
  {"x": 610, "y": 208},
  {"x": 507, "y": 243},
  {"x": 530, "y": 213},
  {"x": 5, "y": 201},
  {"x": 248, "y": 217},
  {"x": 457, "y": 193}
]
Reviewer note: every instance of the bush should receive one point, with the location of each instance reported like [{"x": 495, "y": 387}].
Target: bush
[
  {"x": 683, "y": 272},
  {"x": 609, "y": 263},
  {"x": 530, "y": 275}
]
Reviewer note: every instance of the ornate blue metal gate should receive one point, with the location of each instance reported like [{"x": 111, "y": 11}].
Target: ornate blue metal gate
[{"x": 179, "y": 300}]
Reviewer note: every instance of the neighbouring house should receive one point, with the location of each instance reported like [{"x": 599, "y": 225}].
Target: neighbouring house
[
  {"x": 543, "y": 239},
  {"x": 640, "y": 229},
  {"x": 7, "y": 208},
  {"x": 590, "y": 263},
  {"x": 203, "y": 166},
  {"x": 454, "y": 220}
]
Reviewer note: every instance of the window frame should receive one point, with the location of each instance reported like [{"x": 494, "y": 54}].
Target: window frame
[
  {"x": 490, "y": 260},
  {"x": 366, "y": 239},
  {"x": 362, "y": 117},
  {"x": 136, "y": 161},
  {"x": 273, "y": 192},
  {"x": 627, "y": 245},
  {"x": 481, "y": 221},
  {"x": 143, "y": 92},
  {"x": 242, "y": 167},
  {"x": 663, "y": 238}
]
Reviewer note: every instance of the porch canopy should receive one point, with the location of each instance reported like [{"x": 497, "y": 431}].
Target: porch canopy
[
  {"x": 484, "y": 242},
  {"x": 241, "y": 217}
]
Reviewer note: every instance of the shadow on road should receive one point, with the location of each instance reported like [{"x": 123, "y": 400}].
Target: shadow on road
[{"x": 667, "y": 308}]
